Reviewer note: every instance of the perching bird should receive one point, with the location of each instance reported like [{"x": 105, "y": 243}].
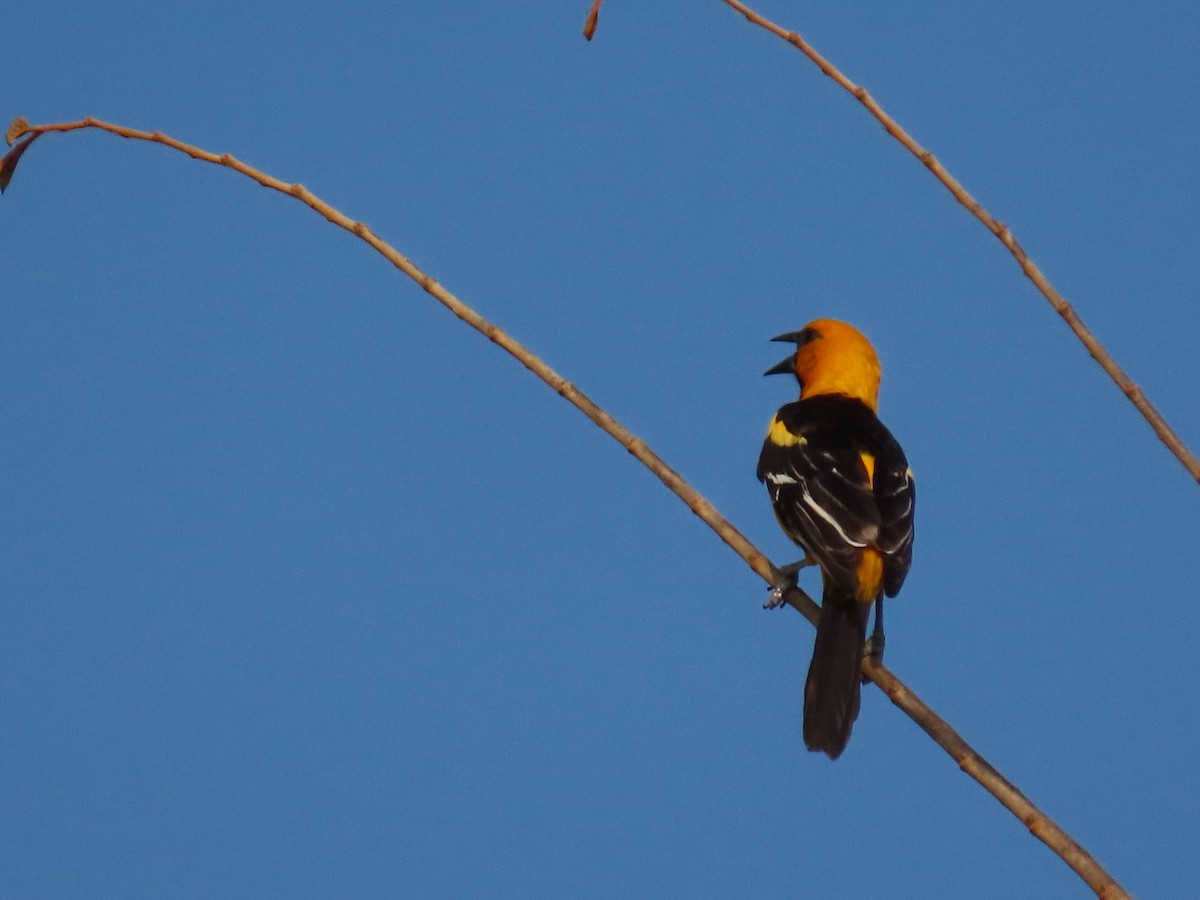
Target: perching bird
[{"x": 841, "y": 489}]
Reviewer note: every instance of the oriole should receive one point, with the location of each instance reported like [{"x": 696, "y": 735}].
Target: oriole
[{"x": 841, "y": 488}]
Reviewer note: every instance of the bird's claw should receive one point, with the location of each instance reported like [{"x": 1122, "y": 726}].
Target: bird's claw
[
  {"x": 776, "y": 594},
  {"x": 785, "y": 581},
  {"x": 875, "y": 648}
]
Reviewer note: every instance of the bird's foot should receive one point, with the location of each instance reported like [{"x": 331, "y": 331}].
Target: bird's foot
[
  {"x": 875, "y": 647},
  {"x": 785, "y": 581},
  {"x": 873, "y": 650}
]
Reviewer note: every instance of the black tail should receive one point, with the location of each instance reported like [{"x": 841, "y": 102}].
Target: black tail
[{"x": 834, "y": 675}]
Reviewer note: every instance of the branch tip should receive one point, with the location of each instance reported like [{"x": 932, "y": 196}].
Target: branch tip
[
  {"x": 8, "y": 165},
  {"x": 593, "y": 19}
]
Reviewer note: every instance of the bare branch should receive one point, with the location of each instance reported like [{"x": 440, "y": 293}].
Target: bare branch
[
  {"x": 1039, "y": 824},
  {"x": 1164, "y": 431},
  {"x": 962, "y": 753}
]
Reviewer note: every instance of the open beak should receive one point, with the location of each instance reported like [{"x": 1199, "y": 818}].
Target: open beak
[
  {"x": 785, "y": 366},
  {"x": 788, "y": 366}
]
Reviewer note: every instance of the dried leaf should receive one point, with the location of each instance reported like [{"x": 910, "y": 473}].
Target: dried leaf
[
  {"x": 8, "y": 164},
  {"x": 18, "y": 127}
]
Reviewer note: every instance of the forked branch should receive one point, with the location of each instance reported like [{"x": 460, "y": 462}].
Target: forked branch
[{"x": 968, "y": 760}]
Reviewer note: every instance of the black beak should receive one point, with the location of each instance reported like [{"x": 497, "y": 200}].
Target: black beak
[
  {"x": 793, "y": 337},
  {"x": 788, "y": 366},
  {"x": 784, "y": 366}
]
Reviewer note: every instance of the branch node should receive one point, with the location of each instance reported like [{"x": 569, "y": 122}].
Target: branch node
[{"x": 18, "y": 128}]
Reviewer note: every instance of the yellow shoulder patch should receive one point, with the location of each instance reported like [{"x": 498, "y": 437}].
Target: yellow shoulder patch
[{"x": 779, "y": 435}]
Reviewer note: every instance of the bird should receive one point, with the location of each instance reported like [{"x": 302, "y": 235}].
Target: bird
[{"x": 842, "y": 490}]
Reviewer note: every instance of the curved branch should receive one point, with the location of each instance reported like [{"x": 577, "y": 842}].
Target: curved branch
[
  {"x": 1164, "y": 431},
  {"x": 966, "y": 757}
]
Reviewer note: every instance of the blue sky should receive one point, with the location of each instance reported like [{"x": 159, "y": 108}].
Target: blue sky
[{"x": 309, "y": 590}]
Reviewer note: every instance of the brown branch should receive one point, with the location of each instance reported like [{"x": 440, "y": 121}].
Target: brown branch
[
  {"x": 967, "y": 758},
  {"x": 593, "y": 17},
  {"x": 1039, "y": 824},
  {"x": 1164, "y": 431}
]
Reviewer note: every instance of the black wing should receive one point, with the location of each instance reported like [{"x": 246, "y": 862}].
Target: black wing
[{"x": 824, "y": 495}]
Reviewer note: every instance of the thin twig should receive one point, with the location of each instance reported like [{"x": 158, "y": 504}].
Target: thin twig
[
  {"x": 967, "y": 758},
  {"x": 1164, "y": 431},
  {"x": 593, "y": 17}
]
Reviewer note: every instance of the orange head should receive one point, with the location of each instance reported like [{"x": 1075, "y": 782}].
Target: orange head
[{"x": 832, "y": 358}]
